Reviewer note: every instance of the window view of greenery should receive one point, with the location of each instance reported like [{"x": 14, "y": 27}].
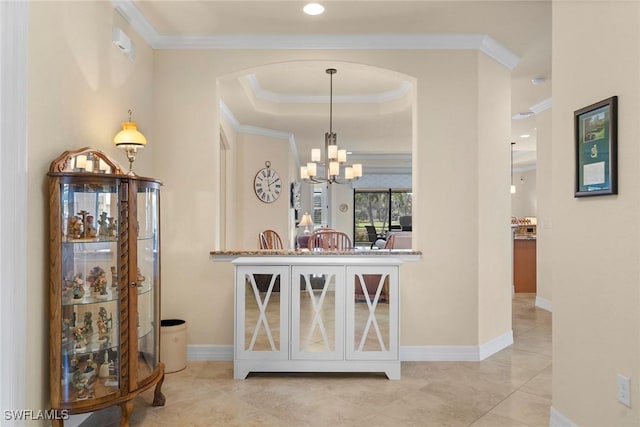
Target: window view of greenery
[{"x": 378, "y": 211}]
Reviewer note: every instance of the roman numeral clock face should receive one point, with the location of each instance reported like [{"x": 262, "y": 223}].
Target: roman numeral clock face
[{"x": 267, "y": 184}]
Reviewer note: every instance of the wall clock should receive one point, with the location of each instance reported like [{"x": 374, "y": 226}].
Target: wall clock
[{"x": 267, "y": 184}]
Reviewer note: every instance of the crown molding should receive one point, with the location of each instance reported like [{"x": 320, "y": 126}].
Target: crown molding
[
  {"x": 255, "y": 130},
  {"x": 480, "y": 42},
  {"x": 541, "y": 106},
  {"x": 132, "y": 15},
  {"x": 279, "y": 98}
]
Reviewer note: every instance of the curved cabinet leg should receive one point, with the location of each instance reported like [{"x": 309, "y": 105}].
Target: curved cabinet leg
[
  {"x": 127, "y": 409},
  {"x": 158, "y": 397}
]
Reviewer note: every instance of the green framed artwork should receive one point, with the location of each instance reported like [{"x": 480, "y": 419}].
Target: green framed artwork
[{"x": 596, "y": 133}]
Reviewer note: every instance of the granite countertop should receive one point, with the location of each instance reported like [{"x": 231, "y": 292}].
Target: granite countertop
[
  {"x": 284, "y": 252},
  {"x": 524, "y": 237}
]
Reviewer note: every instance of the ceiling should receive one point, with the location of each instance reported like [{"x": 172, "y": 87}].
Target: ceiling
[{"x": 371, "y": 107}]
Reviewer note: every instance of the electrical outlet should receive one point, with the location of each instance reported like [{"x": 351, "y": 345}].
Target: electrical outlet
[{"x": 624, "y": 390}]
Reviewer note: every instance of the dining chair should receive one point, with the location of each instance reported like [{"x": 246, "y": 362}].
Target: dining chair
[
  {"x": 330, "y": 240},
  {"x": 270, "y": 239},
  {"x": 391, "y": 239},
  {"x": 314, "y": 240}
]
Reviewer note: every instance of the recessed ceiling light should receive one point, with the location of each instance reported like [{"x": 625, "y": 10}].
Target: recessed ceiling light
[
  {"x": 526, "y": 135},
  {"x": 313, "y": 9}
]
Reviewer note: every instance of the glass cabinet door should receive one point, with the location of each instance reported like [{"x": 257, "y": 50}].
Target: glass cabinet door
[
  {"x": 262, "y": 311},
  {"x": 90, "y": 303},
  {"x": 317, "y": 328},
  {"x": 146, "y": 278},
  {"x": 372, "y": 313}
]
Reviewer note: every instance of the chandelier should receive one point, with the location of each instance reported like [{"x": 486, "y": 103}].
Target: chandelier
[{"x": 334, "y": 157}]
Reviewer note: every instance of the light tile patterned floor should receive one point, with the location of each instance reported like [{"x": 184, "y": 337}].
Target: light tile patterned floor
[{"x": 511, "y": 388}]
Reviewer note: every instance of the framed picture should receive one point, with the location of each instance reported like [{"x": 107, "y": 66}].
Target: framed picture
[{"x": 596, "y": 133}]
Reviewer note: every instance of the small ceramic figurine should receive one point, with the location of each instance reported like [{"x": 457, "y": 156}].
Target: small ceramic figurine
[
  {"x": 74, "y": 366},
  {"x": 103, "y": 230},
  {"x": 91, "y": 369},
  {"x": 102, "y": 325},
  {"x": 112, "y": 226},
  {"x": 98, "y": 280},
  {"x": 82, "y": 384},
  {"x": 79, "y": 338},
  {"x": 74, "y": 227},
  {"x": 83, "y": 219},
  {"x": 89, "y": 228},
  {"x": 88, "y": 323},
  {"x": 78, "y": 286}
]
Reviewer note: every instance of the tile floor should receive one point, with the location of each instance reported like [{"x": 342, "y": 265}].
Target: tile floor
[{"x": 511, "y": 388}]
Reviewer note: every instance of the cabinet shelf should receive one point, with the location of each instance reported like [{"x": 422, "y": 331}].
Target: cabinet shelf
[
  {"x": 67, "y": 240},
  {"x": 121, "y": 213},
  {"x": 90, "y": 299},
  {"x": 94, "y": 346}
]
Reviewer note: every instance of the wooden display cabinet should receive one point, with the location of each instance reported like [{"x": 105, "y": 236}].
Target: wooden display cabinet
[{"x": 104, "y": 285}]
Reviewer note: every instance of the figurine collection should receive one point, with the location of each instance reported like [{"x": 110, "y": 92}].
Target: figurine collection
[
  {"x": 82, "y": 340},
  {"x": 82, "y": 226}
]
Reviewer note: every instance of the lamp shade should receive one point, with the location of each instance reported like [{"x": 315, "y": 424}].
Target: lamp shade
[
  {"x": 129, "y": 135},
  {"x": 306, "y": 220}
]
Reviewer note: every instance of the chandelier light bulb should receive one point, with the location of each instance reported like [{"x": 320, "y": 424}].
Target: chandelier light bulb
[
  {"x": 348, "y": 173},
  {"x": 334, "y": 168},
  {"x": 333, "y": 152},
  {"x": 342, "y": 156},
  {"x": 312, "y": 169}
]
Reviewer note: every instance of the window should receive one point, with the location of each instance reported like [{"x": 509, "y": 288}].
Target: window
[
  {"x": 378, "y": 211},
  {"x": 318, "y": 205}
]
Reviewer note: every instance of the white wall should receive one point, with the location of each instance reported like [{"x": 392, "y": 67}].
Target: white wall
[
  {"x": 596, "y": 240},
  {"x": 342, "y": 221},
  {"x": 524, "y": 201},
  {"x": 441, "y": 289},
  {"x": 494, "y": 235},
  {"x": 544, "y": 211},
  {"x": 80, "y": 87},
  {"x": 253, "y": 215}
]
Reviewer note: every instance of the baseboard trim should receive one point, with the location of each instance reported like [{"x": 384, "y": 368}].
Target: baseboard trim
[
  {"x": 556, "y": 419},
  {"x": 424, "y": 353},
  {"x": 455, "y": 353},
  {"x": 544, "y": 304},
  {"x": 496, "y": 344},
  {"x": 210, "y": 352}
]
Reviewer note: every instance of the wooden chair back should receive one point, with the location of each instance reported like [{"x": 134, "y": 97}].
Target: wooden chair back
[
  {"x": 270, "y": 239},
  {"x": 329, "y": 240}
]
